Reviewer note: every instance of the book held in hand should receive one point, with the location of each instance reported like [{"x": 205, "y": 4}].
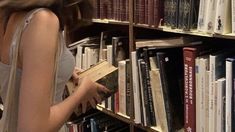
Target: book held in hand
[{"x": 102, "y": 73}]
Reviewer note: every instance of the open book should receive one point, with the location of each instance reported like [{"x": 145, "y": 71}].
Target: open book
[{"x": 102, "y": 73}]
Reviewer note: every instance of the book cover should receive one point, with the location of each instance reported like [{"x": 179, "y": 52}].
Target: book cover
[
  {"x": 170, "y": 62},
  {"x": 223, "y": 17},
  {"x": 102, "y": 73}
]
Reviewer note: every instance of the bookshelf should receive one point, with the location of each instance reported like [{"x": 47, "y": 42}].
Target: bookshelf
[
  {"x": 132, "y": 33},
  {"x": 107, "y": 21}
]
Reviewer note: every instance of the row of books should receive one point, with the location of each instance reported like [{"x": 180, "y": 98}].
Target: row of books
[
  {"x": 216, "y": 16},
  {"x": 96, "y": 122},
  {"x": 209, "y": 88},
  {"x": 213, "y": 16},
  {"x": 112, "y": 9},
  {"x": 157, "y": 71},
  {"x": 148, "y": 12},
  {"x": 115, "y": 51}
]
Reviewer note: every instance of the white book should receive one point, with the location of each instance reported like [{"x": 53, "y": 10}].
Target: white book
[
  {"x": 233, "y": 15},
  {"x": 203, "y": 85},
  {"x": 86, "y": 57},
  {"x": 220, "y": 104},
  {"x": 84, "y": 61},
  {"x": 211, "y": 93},
  {"x": 210, "y": 16},
  {"x": 136, "y": 92},
  {"x": 122, "y": 86},
  {"x": 155, "y": 84},
  {"x": 207, "y": 102},
  {"x": 110, "y": 60},
  {"x": 228, "y": 96},
  {"x": 202, "y": 16},
  {"x": 215, "y": 105},
  {"x": 110, "y": 54},
  {"x": 198, "y": 93},
  {"x": 217, "y": 64},
  {"x": 79, "y": 56},
  {"x": 223, "y": 17},
  {"x": 93, "y": 56}
]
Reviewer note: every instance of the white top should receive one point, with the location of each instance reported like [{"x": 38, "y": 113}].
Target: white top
[{"x": 66, "y": 63}]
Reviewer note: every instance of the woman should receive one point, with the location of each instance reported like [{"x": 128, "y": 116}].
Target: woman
[{"x": 32, "y": 109}]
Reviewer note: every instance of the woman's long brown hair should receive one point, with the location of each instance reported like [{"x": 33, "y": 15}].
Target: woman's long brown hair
[{"x": 72, "y": 14}]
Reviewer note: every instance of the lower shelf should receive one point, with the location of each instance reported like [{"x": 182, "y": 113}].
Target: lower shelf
[{"x": 127, "y": 119}]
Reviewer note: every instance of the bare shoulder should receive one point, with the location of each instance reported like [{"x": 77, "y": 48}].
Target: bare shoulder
[
  {"x": 45, "y": 18},
  {"x": 41, "y": 35}
]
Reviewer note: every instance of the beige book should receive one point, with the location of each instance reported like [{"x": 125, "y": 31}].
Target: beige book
[
  {"x": 102, "y": 73},
  {"x": 158, "y": 99}
]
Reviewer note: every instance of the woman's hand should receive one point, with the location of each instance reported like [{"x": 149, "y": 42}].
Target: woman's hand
[
  {"x": 75, "y": 77},
  {"x": 89, "y": 91}
]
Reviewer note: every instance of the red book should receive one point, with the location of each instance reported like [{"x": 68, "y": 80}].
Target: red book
[
  {"x": 189, "y": 89},
  {"x": 190, "y": 54}
]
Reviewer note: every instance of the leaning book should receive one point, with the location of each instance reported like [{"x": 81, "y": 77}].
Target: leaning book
[{"x": 102, "y": 73}]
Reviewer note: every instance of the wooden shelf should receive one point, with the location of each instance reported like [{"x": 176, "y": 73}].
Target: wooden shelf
[
  {"x": 167, "y": 29},
  {"x": 148, "y": 129},
  {"x": 227, "y": 36},
  {"x": 107, "y": 21},
  {"x": 126, "y": 119},
  {"x": 118, "y": 116},
  {"x": 179, "y": 31}
]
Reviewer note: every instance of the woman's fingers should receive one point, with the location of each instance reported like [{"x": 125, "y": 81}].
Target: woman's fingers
[
  {"x": 84, "y": 106},
  {"x": 102, "y": 88},
  {"x": 98, "y": 98},
  {"x": 93, "y": 103}
]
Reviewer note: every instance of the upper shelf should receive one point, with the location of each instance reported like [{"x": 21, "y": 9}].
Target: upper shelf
[
  {"x": 165, "y": 29},
  {"x": 108, "y": 21}
]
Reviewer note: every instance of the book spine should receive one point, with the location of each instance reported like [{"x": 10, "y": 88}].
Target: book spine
[
  {"x": 194, "y": 14},
  {"x": 122, "y": 86},
  {"x": 150, "y": 98},
  {"x": 142, "y": 11},
  {"x": 223, "y": 17},
  {"x": 127, "y": 10},
  {"x": 181, "y": 14},
  {"x": 102, "y": 10},
  {"x": 186, "y": 17},
  {"x": 207, "y": 102},
  {"x": 210, "y": 16},
  {"x": 143, "y": 109},
  {"x": 201, "y": 26},
  {"x": 189, "y": 90},
  {"x": 233, "y": 16},
  {"x": 136, "y": 11},
  {"x": 146, "y": 11},
  {"x": 211, "y": 93},
  {"x": 119, "y": 10},
  {"x": 150, "y": 13},
  {"x": 162, "y": 65},
  {"x": 228, "y": 126},
  {"x": 143, "y": 67},
  {"x": 204, "y": 85},
  {"x": 174, "y": 15},
  {"x": 156, "y": 14},
  {"x": 198, "y": 71},
  {"x": 136, "y": 87},
  {"x": 233, "y": 96},
  {"x": 128, "y": 88},
  {"x": 220, "y": 105},
  {"x": 167, "y": 12}
]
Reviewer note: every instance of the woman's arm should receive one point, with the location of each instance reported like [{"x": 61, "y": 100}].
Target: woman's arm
[{"x": 38, "y": 47}]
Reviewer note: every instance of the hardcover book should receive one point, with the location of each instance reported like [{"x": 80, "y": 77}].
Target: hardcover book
[{"x": 102, "y": 73}]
